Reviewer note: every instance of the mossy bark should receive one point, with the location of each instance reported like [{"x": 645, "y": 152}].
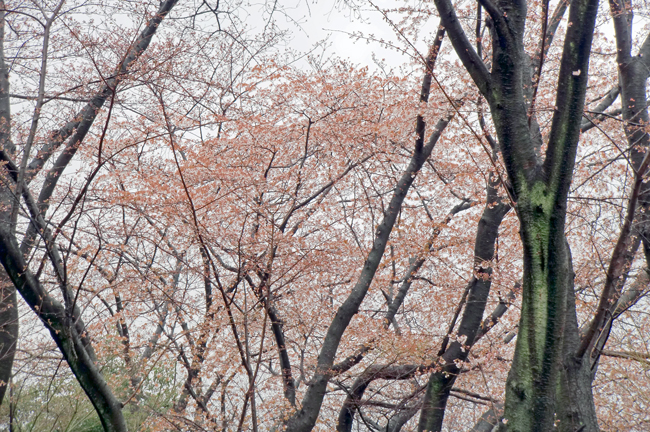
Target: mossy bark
[
  {"x": 531, "y": 388},
  {"x": 538, "y": 185},
  {"x": 575, "y": 402}
]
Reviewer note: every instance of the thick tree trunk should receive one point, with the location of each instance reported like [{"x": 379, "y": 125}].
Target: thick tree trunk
[
  {"x": 541, "y": 203},
  {"x": 532, "y": 381},
  {"x": 539, "y": 189}
]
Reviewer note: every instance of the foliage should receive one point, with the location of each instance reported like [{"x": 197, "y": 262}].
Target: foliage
[{"x": 216, "y": 234}]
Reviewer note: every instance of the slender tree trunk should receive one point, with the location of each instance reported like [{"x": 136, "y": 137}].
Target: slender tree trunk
[
  {"x": 441, "y": 382},
  {"x": 8, "y": 330},
  {"x": 63, "y": 321},
  {"x": 8, "y": 300},
  {"x": 72, "y": 344},
  {"x": 575, "y": 405},
  {"x": 305, "y": 418}
]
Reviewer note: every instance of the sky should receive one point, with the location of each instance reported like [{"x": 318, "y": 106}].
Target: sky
[{"x": 322, "y": 20}]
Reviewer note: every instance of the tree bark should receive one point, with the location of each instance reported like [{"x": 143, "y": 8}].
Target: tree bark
[
  {"x": 8, "y": 300},
  {"x": 8, "y": 330},
  {"x": 575, "y": 406},
  {"x": 540, "y": 191},
  {"x": 441, "y": 381}
]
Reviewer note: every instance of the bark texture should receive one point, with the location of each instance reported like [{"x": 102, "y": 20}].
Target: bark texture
[
  {"x": 8, "y": 330},
  {"x": 538, "y": 186}
]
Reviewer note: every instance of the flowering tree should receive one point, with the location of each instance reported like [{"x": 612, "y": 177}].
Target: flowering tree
[
  {"x": 549, "y": 384},
  {"x": 63, "y": 320},
  {"x": 217, "y": 239}
]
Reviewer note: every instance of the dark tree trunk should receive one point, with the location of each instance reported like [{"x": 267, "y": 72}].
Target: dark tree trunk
[
  {"x": 575, "y": 406},
  {"x": 8, "y": 330},
  {"x": 441, "y": 382},
  {"x": 305, "y": 418},
  {"x": 539, "y": 188},
  {"x": 8, "y": 300},
  {"x": 489, "y": 419}
]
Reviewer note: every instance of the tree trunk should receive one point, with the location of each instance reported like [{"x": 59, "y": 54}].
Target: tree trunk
[
  {"x": 8, "y": 300},
  {"x": 441, "y": 382},
  {"x": 8, "y": 330},
  {"x": 531, "y": 386},
  {"x": 69, "y": 337},
  {"x": 305, "y": 418},
  {"x": 63, "y": 321},
  {"x": 575, "y": 406}
]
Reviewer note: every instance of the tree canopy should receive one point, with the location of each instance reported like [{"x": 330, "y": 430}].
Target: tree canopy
[{"x": 204, "y": 229}]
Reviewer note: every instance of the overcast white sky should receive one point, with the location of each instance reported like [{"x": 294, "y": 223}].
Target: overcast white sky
[{"x": 322, "y": 20}]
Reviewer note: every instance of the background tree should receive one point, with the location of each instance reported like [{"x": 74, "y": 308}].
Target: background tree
[
  {"x": 257, "y": 244},
  {"x": 63, "y": 320}
]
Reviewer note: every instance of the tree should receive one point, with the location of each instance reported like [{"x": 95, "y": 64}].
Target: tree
[
  {"x": 241, "y": 244},
  {"x": 547, "y": 368},
  {"x": 62, "y": 320}
]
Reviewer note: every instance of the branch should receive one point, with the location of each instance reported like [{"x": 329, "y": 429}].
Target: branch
[
  {"x": 497, "y": 15},
  {"x": 644, "y": 52},
  {"x": 622, "y": 17},
  {"x": 545, "y": 44},
  {"x": 599, "y": 110},
  {"x": 442, "y": 380},
  {"x": 306, "y": 417},
  {"x": 629, "y": 298},
  {"x": 420, "y": 125},
  {"x": 350, "y": 361},
  {"x": 629, "y": 355},
  {"x": 548, "y": 32},
  {"x": 464, "y": 48},
  {"x": 617, "y": 264},
  {"x": 498, "y": 312},
  {"x": 277, "y": 327},
  {"x": 396, "y": 422},
  {"x": 27, "y": 149},
  {"x": 571, "y": 90},
  {"x": 5, "y": 105},
  {"x": 417, "y": 263},
  {"x": 41, "y": 227},
  {"x": 82, "y": 121},
  {"x": 489, "y": 419}
]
